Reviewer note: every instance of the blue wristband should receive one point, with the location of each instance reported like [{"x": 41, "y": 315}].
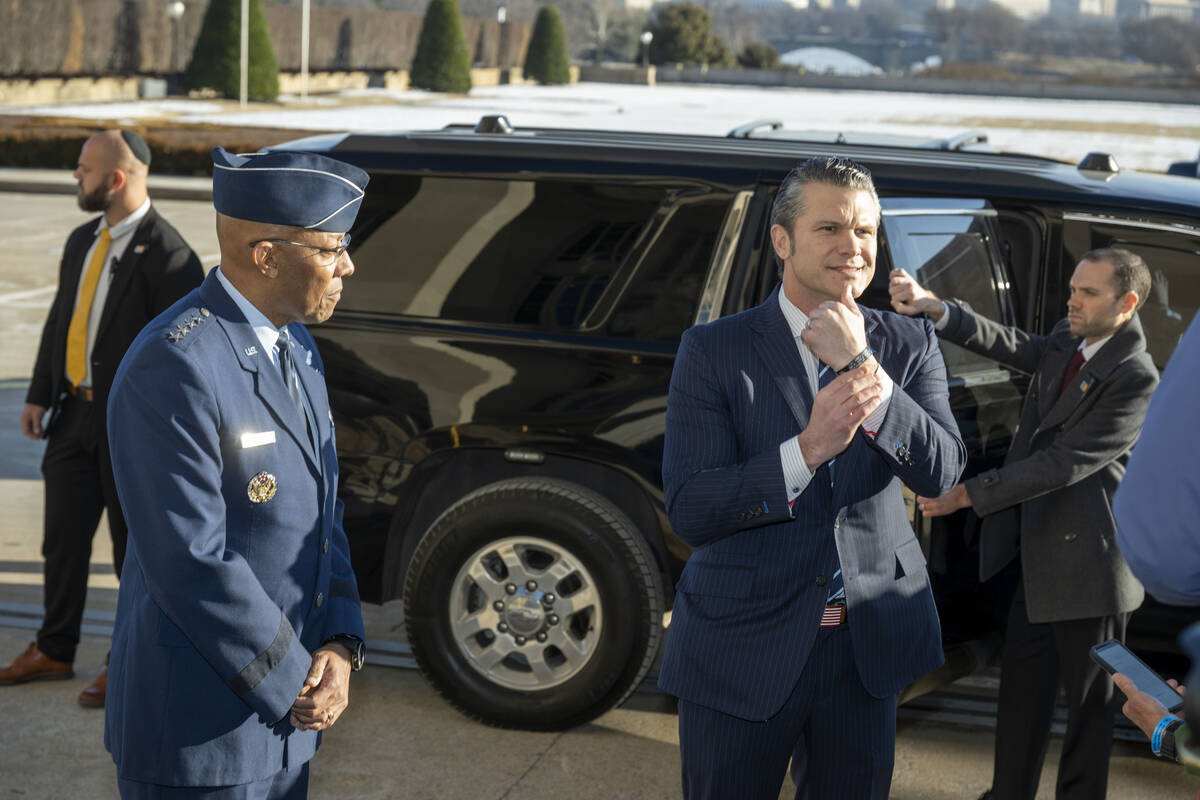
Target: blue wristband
[{"x": 1156, "y": 738}]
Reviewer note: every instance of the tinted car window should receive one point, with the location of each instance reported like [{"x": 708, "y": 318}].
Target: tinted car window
[
  {"x": 542, "y": 253},
  {"x": 951, "y": 253}
]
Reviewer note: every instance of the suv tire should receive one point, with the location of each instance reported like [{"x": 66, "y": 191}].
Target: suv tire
[{"x": 533, "y": 603}]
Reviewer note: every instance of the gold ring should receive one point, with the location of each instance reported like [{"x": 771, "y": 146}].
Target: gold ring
[{"x": 329, "y": 716}]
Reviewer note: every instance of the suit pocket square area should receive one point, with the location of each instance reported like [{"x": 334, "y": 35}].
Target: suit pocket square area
[{"x": 259, "y": 439}]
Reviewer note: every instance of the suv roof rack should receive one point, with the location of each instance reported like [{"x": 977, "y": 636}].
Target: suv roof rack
[
  {"x": 964, "y": 140},
  {"x": 747, "y": 130}
]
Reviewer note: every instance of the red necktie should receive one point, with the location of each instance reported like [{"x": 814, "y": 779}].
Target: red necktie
[{"x": 1072, "y": 370}]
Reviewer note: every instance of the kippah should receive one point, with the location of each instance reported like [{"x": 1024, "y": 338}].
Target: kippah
[
  {"x": 280, "y": 187},
  {"x": 141, "y": 150}
]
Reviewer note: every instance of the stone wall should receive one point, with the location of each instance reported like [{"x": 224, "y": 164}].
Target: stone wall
[{"x": 95, "y": 38}]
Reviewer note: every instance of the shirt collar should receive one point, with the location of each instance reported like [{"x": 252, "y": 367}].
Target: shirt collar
[
  {"x": 128, "y": 224},
  {"x": 267, "y": 334},
  {"x": 796, "y": 319},
  {"x": 1090, "y": 350}
]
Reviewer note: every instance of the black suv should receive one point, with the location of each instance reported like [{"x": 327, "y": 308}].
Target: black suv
[{"x": 498, "y": 371}]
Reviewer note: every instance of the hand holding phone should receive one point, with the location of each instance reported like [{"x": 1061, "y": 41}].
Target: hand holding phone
[{"x": 1113, "y": 657}]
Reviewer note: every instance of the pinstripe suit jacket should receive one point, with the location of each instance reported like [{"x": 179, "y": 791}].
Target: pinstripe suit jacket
[{"x": 749, "y": 605}]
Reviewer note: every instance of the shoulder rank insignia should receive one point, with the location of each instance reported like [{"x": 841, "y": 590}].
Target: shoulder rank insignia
[
  {"x": 184, "y": 326},
  {"x": 262, "y": 487}
]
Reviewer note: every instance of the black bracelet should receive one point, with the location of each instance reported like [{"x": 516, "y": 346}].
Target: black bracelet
[{"x": 857, "y": 361}]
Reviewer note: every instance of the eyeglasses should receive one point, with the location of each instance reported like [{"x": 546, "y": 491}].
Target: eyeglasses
[{"x": 335, "y": 253}]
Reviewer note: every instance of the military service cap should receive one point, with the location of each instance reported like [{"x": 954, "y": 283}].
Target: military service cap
[{"x": 301, "y": 190}]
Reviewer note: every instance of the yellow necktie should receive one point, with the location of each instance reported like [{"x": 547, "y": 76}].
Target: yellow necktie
[{"x": 78, "y": 332}]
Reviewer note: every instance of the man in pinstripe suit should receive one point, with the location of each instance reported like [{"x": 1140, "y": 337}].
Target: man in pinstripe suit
[{"x": 805, "y": 607}]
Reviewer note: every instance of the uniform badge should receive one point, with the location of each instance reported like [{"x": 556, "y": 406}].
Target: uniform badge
[{"x": 262, "y": 487}]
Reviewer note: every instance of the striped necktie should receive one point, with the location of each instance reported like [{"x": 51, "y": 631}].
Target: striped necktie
[
  {"x": 77, "y": 333},
  {"x": 837, "y": 590}
]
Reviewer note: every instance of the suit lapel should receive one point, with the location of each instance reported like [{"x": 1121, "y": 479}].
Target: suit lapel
[
  {"x": 777, "y": 348},
  {"x": 268, "y": 383},
  {"x": 1054, "y": 369},
  {"x": 122, "y": 270}
]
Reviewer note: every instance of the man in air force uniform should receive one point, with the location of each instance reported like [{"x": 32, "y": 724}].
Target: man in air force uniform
[{"x": 238, "y": 621}]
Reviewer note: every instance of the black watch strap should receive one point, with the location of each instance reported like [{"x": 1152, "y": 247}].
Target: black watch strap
[
  {"x": 857, "y": 361},
  {"x": 356, "y": 646}
]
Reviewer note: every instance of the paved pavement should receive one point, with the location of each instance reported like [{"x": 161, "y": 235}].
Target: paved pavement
[{"x": 398, "y": 739}]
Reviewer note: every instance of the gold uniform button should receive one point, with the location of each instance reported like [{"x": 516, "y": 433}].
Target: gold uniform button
[
  {"x": 320, "y": 599},
  {"x": 325, "y": 547}
]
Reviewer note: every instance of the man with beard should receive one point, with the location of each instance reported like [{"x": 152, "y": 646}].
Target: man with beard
[
  {"x": 1047, "y": 512},
  {"x": 117, "y": 273}
]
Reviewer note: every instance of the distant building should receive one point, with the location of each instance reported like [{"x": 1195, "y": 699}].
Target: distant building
[
  {"x": 1071, "y": 8},
  {"x": 1147, "y": 9},
  {"x": 1022, "y": 8}
]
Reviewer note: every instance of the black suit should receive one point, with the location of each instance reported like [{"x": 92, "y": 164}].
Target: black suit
[
  {"x": 1050, "y": 506},
  {"x": 156, "y": 269}
]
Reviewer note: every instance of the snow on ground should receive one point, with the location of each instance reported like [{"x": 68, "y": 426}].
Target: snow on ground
[{"x": 1141, "y": 135}]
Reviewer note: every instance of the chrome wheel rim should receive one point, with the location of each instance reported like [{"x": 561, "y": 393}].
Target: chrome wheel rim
[{"x": 526, "y": 613}]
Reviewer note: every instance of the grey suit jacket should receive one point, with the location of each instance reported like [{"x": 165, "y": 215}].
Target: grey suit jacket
[{"x": 1052, "y": 498}]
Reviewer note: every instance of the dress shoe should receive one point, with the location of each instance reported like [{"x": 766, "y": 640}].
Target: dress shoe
[
  {"x": 34, "y": 665},
  {"x": 93, "y": 696}
]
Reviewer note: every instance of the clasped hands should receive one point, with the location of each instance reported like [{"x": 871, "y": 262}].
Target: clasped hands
[
  {"x": 836, "y": 334},
  {"x": 326, "y": 690}
]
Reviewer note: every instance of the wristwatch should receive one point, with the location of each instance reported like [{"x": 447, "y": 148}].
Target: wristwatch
[
  {"x": 857, "y": 361},
  {"x": 356, "y": 646}
]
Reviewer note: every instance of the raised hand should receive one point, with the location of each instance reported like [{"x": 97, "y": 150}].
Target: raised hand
[
  {"x": 836, "y": 332},
  {"x": 911, "y": 298},
  {"x": 838, "y": 411}
]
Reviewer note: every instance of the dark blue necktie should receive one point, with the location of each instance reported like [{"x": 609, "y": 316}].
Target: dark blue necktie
[
  {"x": 287, "y": 368},
  {"x": 837, "y": 591}
]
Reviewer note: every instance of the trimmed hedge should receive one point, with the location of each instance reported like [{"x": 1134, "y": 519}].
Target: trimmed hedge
[
  {"x": 546, "y": 60},
  {"x": 441, "y": 63},
  {"x": 216, "y": 60},
  {"x": 173, "y": 152}
]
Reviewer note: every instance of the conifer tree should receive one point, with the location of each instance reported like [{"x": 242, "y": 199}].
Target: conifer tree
[
  {"x": 441, "y": 63},
  {"x": 216, "y": 59},
  {"x": 546, "y": 60}
]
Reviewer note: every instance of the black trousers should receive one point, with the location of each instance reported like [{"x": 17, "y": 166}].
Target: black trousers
[
  {"x": 79, "y": 486},
  {"x": 1037, "y": 658},
  {"x": 841, "y": 740}
]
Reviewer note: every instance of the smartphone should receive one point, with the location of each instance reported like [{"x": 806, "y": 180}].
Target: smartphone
[{"x": 1113, "y": 656}]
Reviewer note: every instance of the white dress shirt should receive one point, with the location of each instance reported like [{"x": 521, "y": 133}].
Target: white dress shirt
[
  {"x": 796, "y": 473},
  {"x": 121, "y": 234}
]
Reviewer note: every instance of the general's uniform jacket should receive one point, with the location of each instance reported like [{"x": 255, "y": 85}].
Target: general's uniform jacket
[
  {"x": 156, "y": 269},
  {"x": 238, "y": 567},
  {"x": 1052, "y": 498},
  {"x": 750, "y": 599}
]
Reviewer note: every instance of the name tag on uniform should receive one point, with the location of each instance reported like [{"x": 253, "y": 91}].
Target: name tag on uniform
[{"x": 257, "y": 439}]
